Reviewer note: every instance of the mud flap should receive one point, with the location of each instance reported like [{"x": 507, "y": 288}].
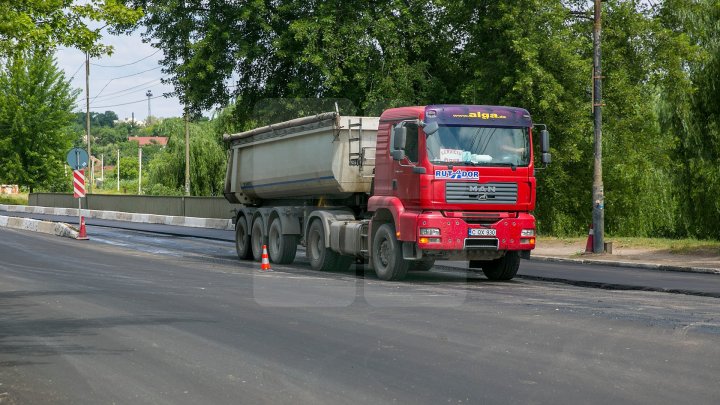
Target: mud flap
[{"x": 410, "y": 251}]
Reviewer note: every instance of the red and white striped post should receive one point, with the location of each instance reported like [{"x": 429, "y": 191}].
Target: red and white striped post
[{"x": 79, "y": 193}]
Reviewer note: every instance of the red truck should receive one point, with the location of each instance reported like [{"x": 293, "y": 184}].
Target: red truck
[{"x": 402, "y": 190}]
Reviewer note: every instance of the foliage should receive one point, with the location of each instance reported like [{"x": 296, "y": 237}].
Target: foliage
[
  {"x": 14, "y": 199},
  {"x": 106, "y": 119},
  {"x": 39, "y": 24},
  {"x": 690, "y": 111},
  {"x": 207, "y": 159},
  {"x": 35, "y": 112},
  {"x": 661, "y": 63}
]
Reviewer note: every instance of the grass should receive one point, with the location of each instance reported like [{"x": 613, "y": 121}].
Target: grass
[
  {"x": 677, "y": 246},
  {"x": 16, "y": 199}
]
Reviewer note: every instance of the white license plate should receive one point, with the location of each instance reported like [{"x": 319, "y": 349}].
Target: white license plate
[{"x": 481, "y": 232}]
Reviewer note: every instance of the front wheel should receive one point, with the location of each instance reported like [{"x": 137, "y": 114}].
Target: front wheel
[
  {"x": 387, "y": 255},
  {"x": 502, "y": 269}
]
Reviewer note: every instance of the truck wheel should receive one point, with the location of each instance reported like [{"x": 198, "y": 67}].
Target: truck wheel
[
  {"x": 421, "y": 265},
  {"x": 242, "y": 239},
  {"x": 387, "y": 255},
  {"x": 281, "y": 248},
  {"x": 504, "y": 268},
  {"x": 256, "y": 239},
  {"x": 322, "y": 258}
]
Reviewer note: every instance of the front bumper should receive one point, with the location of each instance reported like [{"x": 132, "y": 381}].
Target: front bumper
[{"x": 455, "y": 240}]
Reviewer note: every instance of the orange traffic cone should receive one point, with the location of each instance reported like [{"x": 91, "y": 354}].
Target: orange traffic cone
[
  {"x": 265, "y": 263},
  {"x": 83, "y": 234},
  {"x": 590, "y": 240}
]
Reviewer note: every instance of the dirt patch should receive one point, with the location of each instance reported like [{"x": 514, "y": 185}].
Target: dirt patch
[{"x": 686, "y": 257}]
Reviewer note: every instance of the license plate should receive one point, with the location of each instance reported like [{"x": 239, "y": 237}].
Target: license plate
[{"x": 481, "y": 232}]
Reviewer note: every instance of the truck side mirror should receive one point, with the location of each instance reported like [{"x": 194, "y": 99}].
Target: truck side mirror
[
  {"x": 545, "y": 146},
  {"x": 397, "y": 154},
  {"x": 545, "y": 141},
  {"x": 400, "y": 135}
]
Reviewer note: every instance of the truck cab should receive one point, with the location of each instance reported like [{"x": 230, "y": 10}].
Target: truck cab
[{"x": 453, "y": 182}]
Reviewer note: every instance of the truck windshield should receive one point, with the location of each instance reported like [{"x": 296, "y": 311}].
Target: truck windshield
[{"x": 491, "y": 146}]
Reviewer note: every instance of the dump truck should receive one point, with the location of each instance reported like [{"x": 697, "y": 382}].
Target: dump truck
[{"x": 398, "y": 192}]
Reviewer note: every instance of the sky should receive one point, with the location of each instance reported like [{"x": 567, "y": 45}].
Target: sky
[{"x": 119, "y": 82}]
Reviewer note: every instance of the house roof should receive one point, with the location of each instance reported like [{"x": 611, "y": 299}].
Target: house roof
[{"x": 149, "y": 140}]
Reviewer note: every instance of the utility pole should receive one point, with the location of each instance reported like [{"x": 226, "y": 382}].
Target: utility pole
[
  {"x": 87, "y": 114},
  {"x": 598, "y": 193},
  {"x": 149, "y": 95},
  {"x": 139, "y": 170},
  {"x": 118, "y": 170},
  {"x": 187, "y": 154}
]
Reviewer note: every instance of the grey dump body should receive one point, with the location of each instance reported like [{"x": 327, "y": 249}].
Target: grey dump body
[{"x": 323, "y": 156}]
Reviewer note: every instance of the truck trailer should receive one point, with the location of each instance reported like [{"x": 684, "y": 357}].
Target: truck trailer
[{"x": 399, "y": 191}]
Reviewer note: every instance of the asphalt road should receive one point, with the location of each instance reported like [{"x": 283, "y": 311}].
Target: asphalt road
[{"x": 134, "y": 318}]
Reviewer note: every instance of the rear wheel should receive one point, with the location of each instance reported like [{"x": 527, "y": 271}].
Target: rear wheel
[
  {"x": 504, "y": 268},
  {"x": 387, "y": 255},
  {"x": 323, "y": 258},
  {"x": 242, "y": 239},
  {"x": 256, "y": 239},
  {"x": 281, "y": 248}
]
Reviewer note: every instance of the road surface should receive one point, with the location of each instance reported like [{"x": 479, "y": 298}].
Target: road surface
[{"x": 135, "y": 318}]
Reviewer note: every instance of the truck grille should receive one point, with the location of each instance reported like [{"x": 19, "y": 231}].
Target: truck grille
[{"x": 481, "y": 193}]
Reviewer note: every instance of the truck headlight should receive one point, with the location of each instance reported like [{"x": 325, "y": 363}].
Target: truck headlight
[
  {"x": 429, "y": 232},
  {"x": 526, "y": 233}
]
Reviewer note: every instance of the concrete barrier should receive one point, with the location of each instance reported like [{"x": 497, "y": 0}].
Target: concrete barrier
[
  {"x": 198, "y": 207},
  {"x": 34, "y": 225},
  {"x": 213, "y": 223}
]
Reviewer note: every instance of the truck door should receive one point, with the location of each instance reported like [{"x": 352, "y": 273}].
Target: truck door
[{"x": 406, "y": 184}]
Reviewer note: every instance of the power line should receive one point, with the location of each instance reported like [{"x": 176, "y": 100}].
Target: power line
[
  {"x": 127, "y": 64},
  {"x": 123, "y": 77},
  {"x": 128, "y": 103},
  {"x": 130, "y": 88},
  {"x": 77, "y": 70}
]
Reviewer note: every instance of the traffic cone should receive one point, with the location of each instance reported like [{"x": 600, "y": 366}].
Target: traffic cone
[
  {"x": 590, "y": 240},
  {"x": 265, "y": 263},
  {"x": 83, "y": 234}
]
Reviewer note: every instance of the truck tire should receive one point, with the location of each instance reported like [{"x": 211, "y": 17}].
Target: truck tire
[
  {"x": 421, "y": 265},
  {"x": 387, "y": 255},
  {"x": 256, "y": 239},
  {"x": 322, "y": 258},
  {"x": 242, "y": 239},
  {"x": 281, "y": 248},
  {"x": 502, "y": 269}
]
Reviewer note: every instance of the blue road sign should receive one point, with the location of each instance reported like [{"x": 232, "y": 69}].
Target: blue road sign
[{"x": 77, "y": 158}]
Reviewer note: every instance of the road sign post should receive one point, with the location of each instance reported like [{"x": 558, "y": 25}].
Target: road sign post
[
  {"x": 77, "y": 159},
  {"x": 79, "y": 193}
]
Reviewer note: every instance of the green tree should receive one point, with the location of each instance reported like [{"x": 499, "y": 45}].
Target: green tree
[
  {"x": 32, "y": 24},
  {"x": 35, "y": 110},
  {"x": 527, "y": 53},
  {"x": 207, "y": 160},
  {"x": 690, "y": 112}
]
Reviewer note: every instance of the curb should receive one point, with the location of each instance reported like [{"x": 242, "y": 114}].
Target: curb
[
  {"x": 636, "y": 265},
  {"x": 34, "y": 225},
  {"x": 193, "y": 222}
]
